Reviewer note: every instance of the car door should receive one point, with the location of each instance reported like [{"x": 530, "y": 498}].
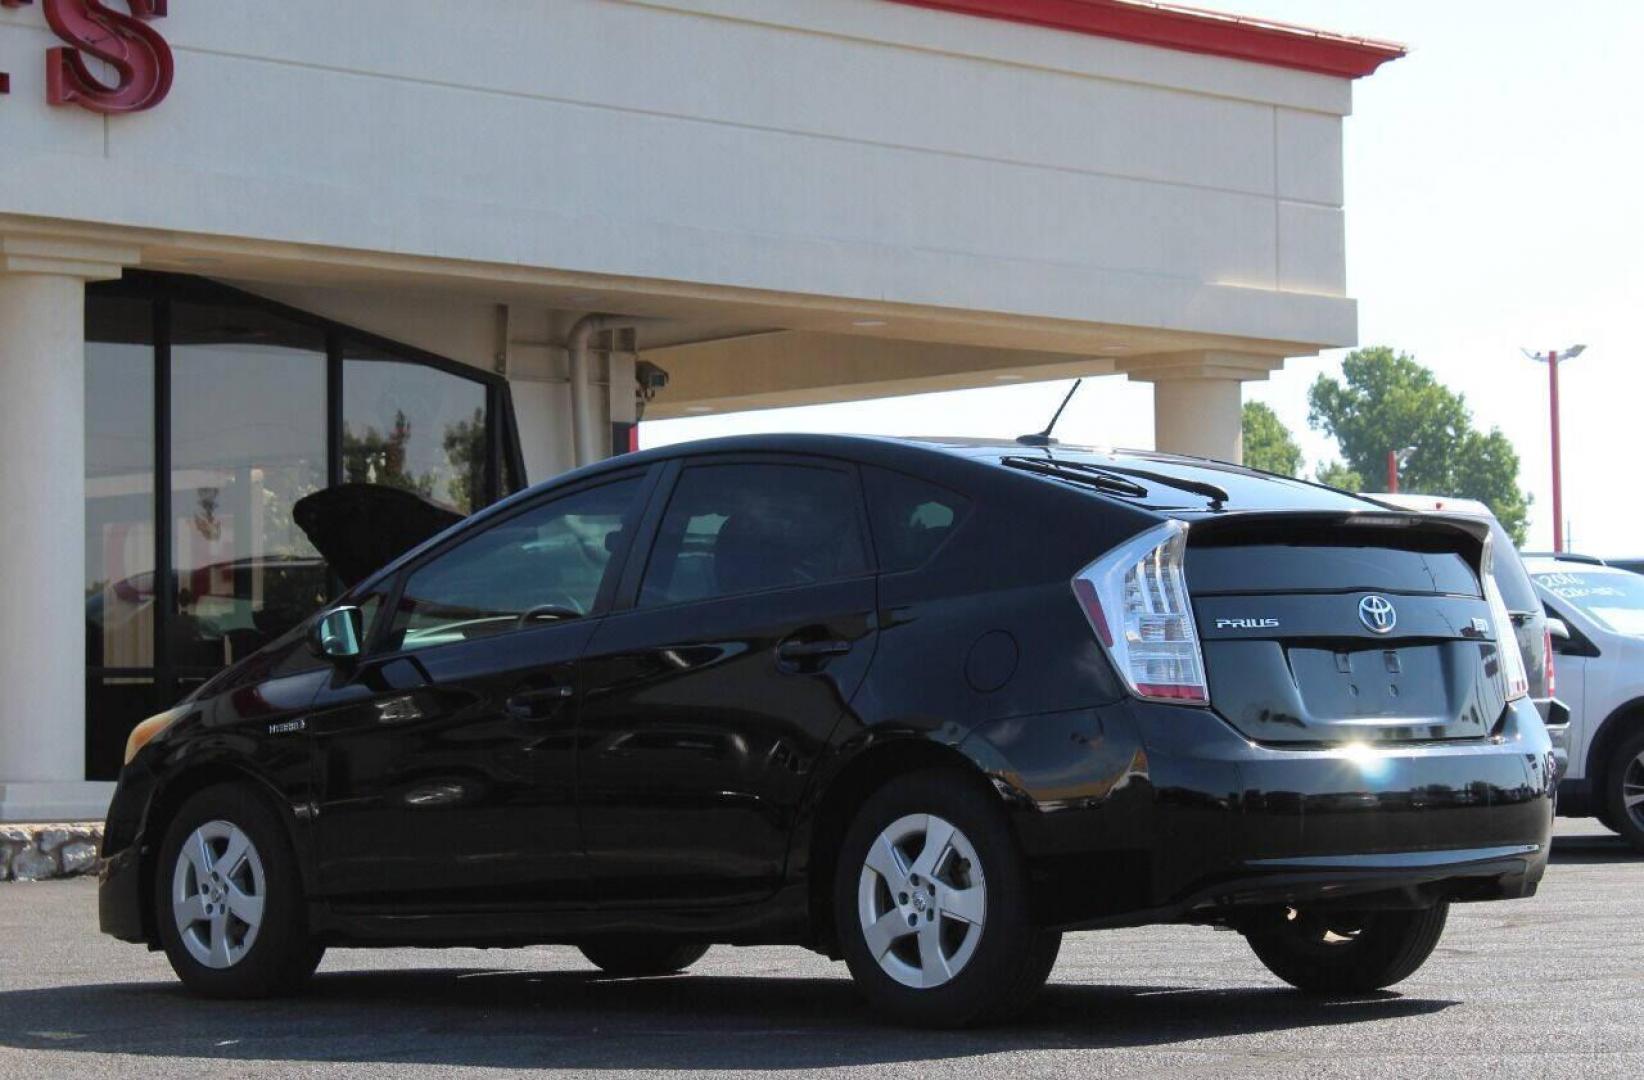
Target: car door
[
  {"x": 709, "y": 695},
  {"x": 446, "y": 757},
  {"x": 1573, "y": 660}
]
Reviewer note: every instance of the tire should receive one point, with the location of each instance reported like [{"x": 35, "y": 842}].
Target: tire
[
  {"x": 1348, "y": 953},
  {"x": 635, "y": 957},
  {"x": 221, "y": 943},
  {"x": 1623, "y": 781},
  {"x": 972, "y": 953}
]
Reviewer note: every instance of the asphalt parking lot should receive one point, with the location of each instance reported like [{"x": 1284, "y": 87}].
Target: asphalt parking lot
[{"x": 1548, "y": 986}]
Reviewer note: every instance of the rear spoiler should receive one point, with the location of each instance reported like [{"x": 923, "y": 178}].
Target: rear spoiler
[{"x": 1419, "y": 529}]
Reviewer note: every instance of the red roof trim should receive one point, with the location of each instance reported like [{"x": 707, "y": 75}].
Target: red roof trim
[{"x": 1191, "y": 30}]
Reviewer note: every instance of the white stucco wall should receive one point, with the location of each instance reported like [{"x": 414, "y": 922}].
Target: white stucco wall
[{"x": 852, "y": 148}]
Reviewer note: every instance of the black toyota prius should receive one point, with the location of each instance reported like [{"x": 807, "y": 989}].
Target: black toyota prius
[{"x": 923, "y": 706}]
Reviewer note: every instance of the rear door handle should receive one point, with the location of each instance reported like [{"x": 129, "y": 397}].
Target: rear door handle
[
  {"x": 811, "y": 650},
  {"x": 539, "y": 704}
]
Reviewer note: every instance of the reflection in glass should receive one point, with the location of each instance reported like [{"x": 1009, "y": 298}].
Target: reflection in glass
[
  {"x": 114, "y": 705},
  {"x": 415, "y": 427},
  {"x": 248, "y": 437},
  {"x": 119, "y": 484},
  {"x": 248, "y": 441},
  {"x": 540, "y": 566}
]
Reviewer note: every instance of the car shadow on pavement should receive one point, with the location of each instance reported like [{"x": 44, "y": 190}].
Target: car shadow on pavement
[
  {"x": 563, "y": 1020},
  {"x": 1592, "y": 848}
]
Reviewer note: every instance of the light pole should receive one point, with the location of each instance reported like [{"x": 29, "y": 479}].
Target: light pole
[
  {"x": 1396, "y": 461},
  {"x": 1551, "y": 359}
]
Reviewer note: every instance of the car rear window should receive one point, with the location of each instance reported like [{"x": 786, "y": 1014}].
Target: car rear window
[
  {"x": 1262, "y": 568},
  {"x": 911, "y": 518}
]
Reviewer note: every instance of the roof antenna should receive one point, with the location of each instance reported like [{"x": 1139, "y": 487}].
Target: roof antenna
[{"x": 1043, "y": 438}]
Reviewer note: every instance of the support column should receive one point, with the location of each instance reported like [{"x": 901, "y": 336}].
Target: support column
[
  {"x": 1198, "y": 399},
  {"x": 1202, "y": 417},
  {"x": 42, "y": 505}
]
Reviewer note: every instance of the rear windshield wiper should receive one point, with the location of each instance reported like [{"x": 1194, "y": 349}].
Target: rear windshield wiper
[
  {"x": 1115, "y": 478},
  {"x": 1078, "y": 472},
  {"x": 1216, "y": 495}
]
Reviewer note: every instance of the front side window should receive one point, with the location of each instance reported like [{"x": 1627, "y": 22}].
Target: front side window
[
  {"x": 733, "y": 529},
  {"x": 543, "y": 565}
]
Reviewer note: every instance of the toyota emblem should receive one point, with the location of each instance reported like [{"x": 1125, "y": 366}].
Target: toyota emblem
[{"x": 1377, "y": 614}]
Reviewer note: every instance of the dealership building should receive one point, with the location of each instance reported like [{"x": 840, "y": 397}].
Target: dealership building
[{"x": 249, "y": 251}]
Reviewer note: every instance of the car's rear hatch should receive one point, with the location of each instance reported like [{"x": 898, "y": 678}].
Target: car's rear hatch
[{"x": 1328, "y": 628}]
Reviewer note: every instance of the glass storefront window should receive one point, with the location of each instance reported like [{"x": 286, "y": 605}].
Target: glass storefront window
[
  {"x": 415, "y": 427},
  {"x": 120, "y": 488},
  {"x": 114, "y": 705},
  {"x": 247, "y": 425},
  {"x": 248, "y": 419}
]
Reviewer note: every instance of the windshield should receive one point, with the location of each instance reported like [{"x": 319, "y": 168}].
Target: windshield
[{"x": 1614, "y": 601}]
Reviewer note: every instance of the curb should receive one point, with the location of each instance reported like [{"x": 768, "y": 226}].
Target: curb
[{"x": 46, "y": 852}]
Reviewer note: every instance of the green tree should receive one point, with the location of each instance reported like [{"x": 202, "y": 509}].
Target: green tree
[
  {"x": 1268, "y": 444},
  {"x": 465, "y": 449},
  {"x": 1338, "y": 475},
  {"x": 370, "y": 457},
  {"x": 1387, "y": 401}
]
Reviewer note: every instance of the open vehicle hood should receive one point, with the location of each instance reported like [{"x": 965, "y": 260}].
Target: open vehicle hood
[{"x": 360, "y": 528}]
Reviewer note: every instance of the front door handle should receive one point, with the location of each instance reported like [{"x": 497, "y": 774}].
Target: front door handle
[
  {"x": 539, "y": 704},
  {"x": 808, "y": 655}
]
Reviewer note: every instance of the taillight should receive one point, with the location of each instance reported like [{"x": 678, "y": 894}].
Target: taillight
[
  {"x": 1136, "y": 599},
  {"x": 1549, "y": 668},
  {"x": 1515, "y": 678}
]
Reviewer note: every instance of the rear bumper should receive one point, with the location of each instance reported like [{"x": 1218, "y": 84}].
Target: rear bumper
[
  {"x": 1350, "y": 882},
  {"x": 1556, "y": 716},
  {"x": 1202, "y": 818}
]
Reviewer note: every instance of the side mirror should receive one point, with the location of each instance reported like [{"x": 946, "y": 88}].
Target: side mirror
[
  {"x": 1558, "y": 629},
  {"x": 337, "y": 634}
]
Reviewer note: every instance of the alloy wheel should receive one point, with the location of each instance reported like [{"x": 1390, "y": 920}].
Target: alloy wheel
[
  {"x": 217, "y": 894},
  {"x": 922, "y": 900},
  {"x": 1632, "y": 790}
]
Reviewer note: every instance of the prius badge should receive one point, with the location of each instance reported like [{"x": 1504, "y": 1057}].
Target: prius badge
[
  {"x": 1377, "y": 614},
  {"x": 1247, "y": 624}
]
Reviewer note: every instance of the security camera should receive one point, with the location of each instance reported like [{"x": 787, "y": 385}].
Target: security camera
[{"x": 650, "y": 378}]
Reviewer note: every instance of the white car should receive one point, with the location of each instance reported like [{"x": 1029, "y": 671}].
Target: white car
[
  {"x": 1519, "y": 596},
  {"x": 1600, "y": 647}
]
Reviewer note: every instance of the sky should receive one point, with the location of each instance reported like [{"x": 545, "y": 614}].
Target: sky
[{"x": 1495, "y": 201}]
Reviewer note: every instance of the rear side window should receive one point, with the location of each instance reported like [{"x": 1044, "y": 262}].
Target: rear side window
[
  {"x": 732, "y": 529},
  {"x": 911, "y": 518}
]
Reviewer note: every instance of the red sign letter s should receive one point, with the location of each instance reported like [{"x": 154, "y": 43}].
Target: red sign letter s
[{"x": 139, "y": 56}]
